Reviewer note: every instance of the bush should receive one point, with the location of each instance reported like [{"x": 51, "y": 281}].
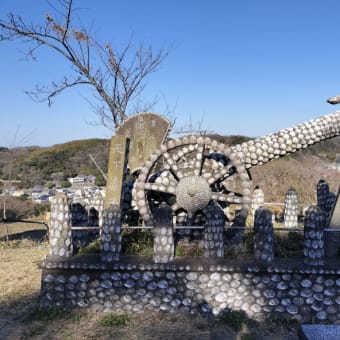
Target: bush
[{"x": 65, "y": 184}]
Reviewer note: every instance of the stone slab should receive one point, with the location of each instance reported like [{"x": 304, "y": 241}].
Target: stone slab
[
  {"x": 334, "y": 221},
  {"x": 146, "y": 131},
  {"x": 115, "y": 171},
  {"x": 319, "y": 332}
]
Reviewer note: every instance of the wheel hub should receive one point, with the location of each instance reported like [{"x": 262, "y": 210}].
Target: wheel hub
[{"x": 193, "y": 193}]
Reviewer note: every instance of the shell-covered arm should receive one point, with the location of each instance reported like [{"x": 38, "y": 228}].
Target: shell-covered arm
[{"x": 264, "y": 149}]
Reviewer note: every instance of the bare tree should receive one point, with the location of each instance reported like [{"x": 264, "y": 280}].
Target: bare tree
[{"x": 117, "y": 78}]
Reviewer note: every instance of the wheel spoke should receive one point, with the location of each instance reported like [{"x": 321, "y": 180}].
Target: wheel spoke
[
  {"x": 230, "y": 197},
  {"x": 221, "y": 175},
  {"x": 160, "y": 188},
  {"x": 199, "y": 162}
]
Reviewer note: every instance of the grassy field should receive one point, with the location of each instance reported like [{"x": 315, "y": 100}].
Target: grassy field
[{"x": 21, "y": 317}]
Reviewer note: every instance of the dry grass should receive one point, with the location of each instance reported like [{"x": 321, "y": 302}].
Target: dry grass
[{"x": 20, "y": 317}]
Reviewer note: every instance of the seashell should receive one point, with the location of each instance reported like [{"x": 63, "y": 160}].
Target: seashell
[
  {"x": 191, "y": 276},
  {"x": 129, "y": 283},
  {"x": 151, "y": 286},
  {"x": 137, "y": 308},
  {"x": 282, "y": 285},
  {"x": 291, "y": 309},
  {"x": 306, "y": 283},
  {"x": 186, "y": 302},
  {"x": 148, "y": 276},
  {"x": 269, "y": 293},
  {"x": 163, "y": 284},
  {"x": 321, "y": 315}
]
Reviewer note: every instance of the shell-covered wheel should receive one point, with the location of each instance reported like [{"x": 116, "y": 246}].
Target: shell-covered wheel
[{"x": 188, "y": 173}]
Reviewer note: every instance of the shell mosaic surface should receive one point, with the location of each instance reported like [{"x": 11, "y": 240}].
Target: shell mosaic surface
[{"x": 304, "y": 294}]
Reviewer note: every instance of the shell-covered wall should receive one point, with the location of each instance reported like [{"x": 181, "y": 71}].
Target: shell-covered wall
[{"x": 287, "y": 289}]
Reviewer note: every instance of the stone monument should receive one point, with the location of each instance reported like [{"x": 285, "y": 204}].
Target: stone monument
[{"x": 145, "y": 133}]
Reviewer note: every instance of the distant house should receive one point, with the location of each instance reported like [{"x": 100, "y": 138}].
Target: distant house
[
  {"x": 79, "y": 179},
  {"x": 42, "y": 199}
]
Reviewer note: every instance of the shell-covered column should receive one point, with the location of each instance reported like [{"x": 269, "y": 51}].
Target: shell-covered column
[
  {"x": 79, "y": 218},
  {"x": 330, "y": 201},
  {"x": 263, "y": 236},
  {"x": 98, "y": 203},
  {"x": 291, "y": 209},
  {"x": 213, "y": 232},
  {"x": 163, "y": 241},
  {"x": 257, "y": 200},
  {"x": 111, "y": 237},
  {"x": 322, "y": 192},
  {"x": 60, "y": 233},
  {"x": 314, "y": 225}
]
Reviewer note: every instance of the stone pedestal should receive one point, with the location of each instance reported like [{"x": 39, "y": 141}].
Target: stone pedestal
[
  {"x": 163, "y": 242},
  {"x": 213, "y": 232},
  {"x": 111, "y": 237},
  {"x": 322, "y": 191},
  {"x": 314, "y": 224},
  {"x": 291, "y": 209},
  {"x": 257, "y": 200},
  {"x": 60, "y": 234},
  {"x": 263, "y": 236}
]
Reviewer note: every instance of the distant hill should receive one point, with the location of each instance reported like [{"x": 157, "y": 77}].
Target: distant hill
[
  {"x": 301, "y": 170},
  {"x": 38, "y": 165}
]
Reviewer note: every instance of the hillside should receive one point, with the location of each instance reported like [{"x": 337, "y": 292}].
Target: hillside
[
  {"x": 301, "y": 170},
  {"x": 36, "y": 166}
]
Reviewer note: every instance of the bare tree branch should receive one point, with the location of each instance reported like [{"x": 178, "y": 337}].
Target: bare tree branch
[{"x": 117, "y": 78}]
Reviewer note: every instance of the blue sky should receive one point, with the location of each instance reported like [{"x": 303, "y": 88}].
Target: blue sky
[{"x": 239, "y": 66}]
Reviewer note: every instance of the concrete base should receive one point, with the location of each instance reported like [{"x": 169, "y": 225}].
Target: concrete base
[{"x": 319, "y": 332}]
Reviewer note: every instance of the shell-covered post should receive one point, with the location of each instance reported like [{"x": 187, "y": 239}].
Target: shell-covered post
[
  {"x": 322, "y": 191},
  {"x": 111, "y": 237},
  {"x": 98, "y": 203},
  {"x": 60, "y": 227},
  {"x": 291, "y": 209},
  {"x": 325, "y": 198},
  {"x": 257, "y": 200},
  {"x": 314, "y": 225},
  {"x": 263, "y": 236},
  {"x": 163, "y": 235},
  {"x": 213, "y": 232}
]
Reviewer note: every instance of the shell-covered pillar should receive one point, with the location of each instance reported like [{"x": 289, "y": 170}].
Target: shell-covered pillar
[
  {"x": 322, "y": 192},
  {"x": 291, "y": 209},
  {"x": 314, "y": 224},
  {"x": 98, "y": 203},
  {"x": 111, "y": 237},
  {"x": 325, "y": 198},
  {"x": 213, "y": 232},
  {"x": 163, "y": 235},
  {"x": 60, "y": 233},
  {"x": 263, "y": 236},
  {"x": 257, "y": 200}
]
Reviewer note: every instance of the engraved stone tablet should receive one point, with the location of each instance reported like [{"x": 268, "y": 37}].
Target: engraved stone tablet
[
  {"x": 146, "y": 132},
  {"x": 115, "y": 171}
]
